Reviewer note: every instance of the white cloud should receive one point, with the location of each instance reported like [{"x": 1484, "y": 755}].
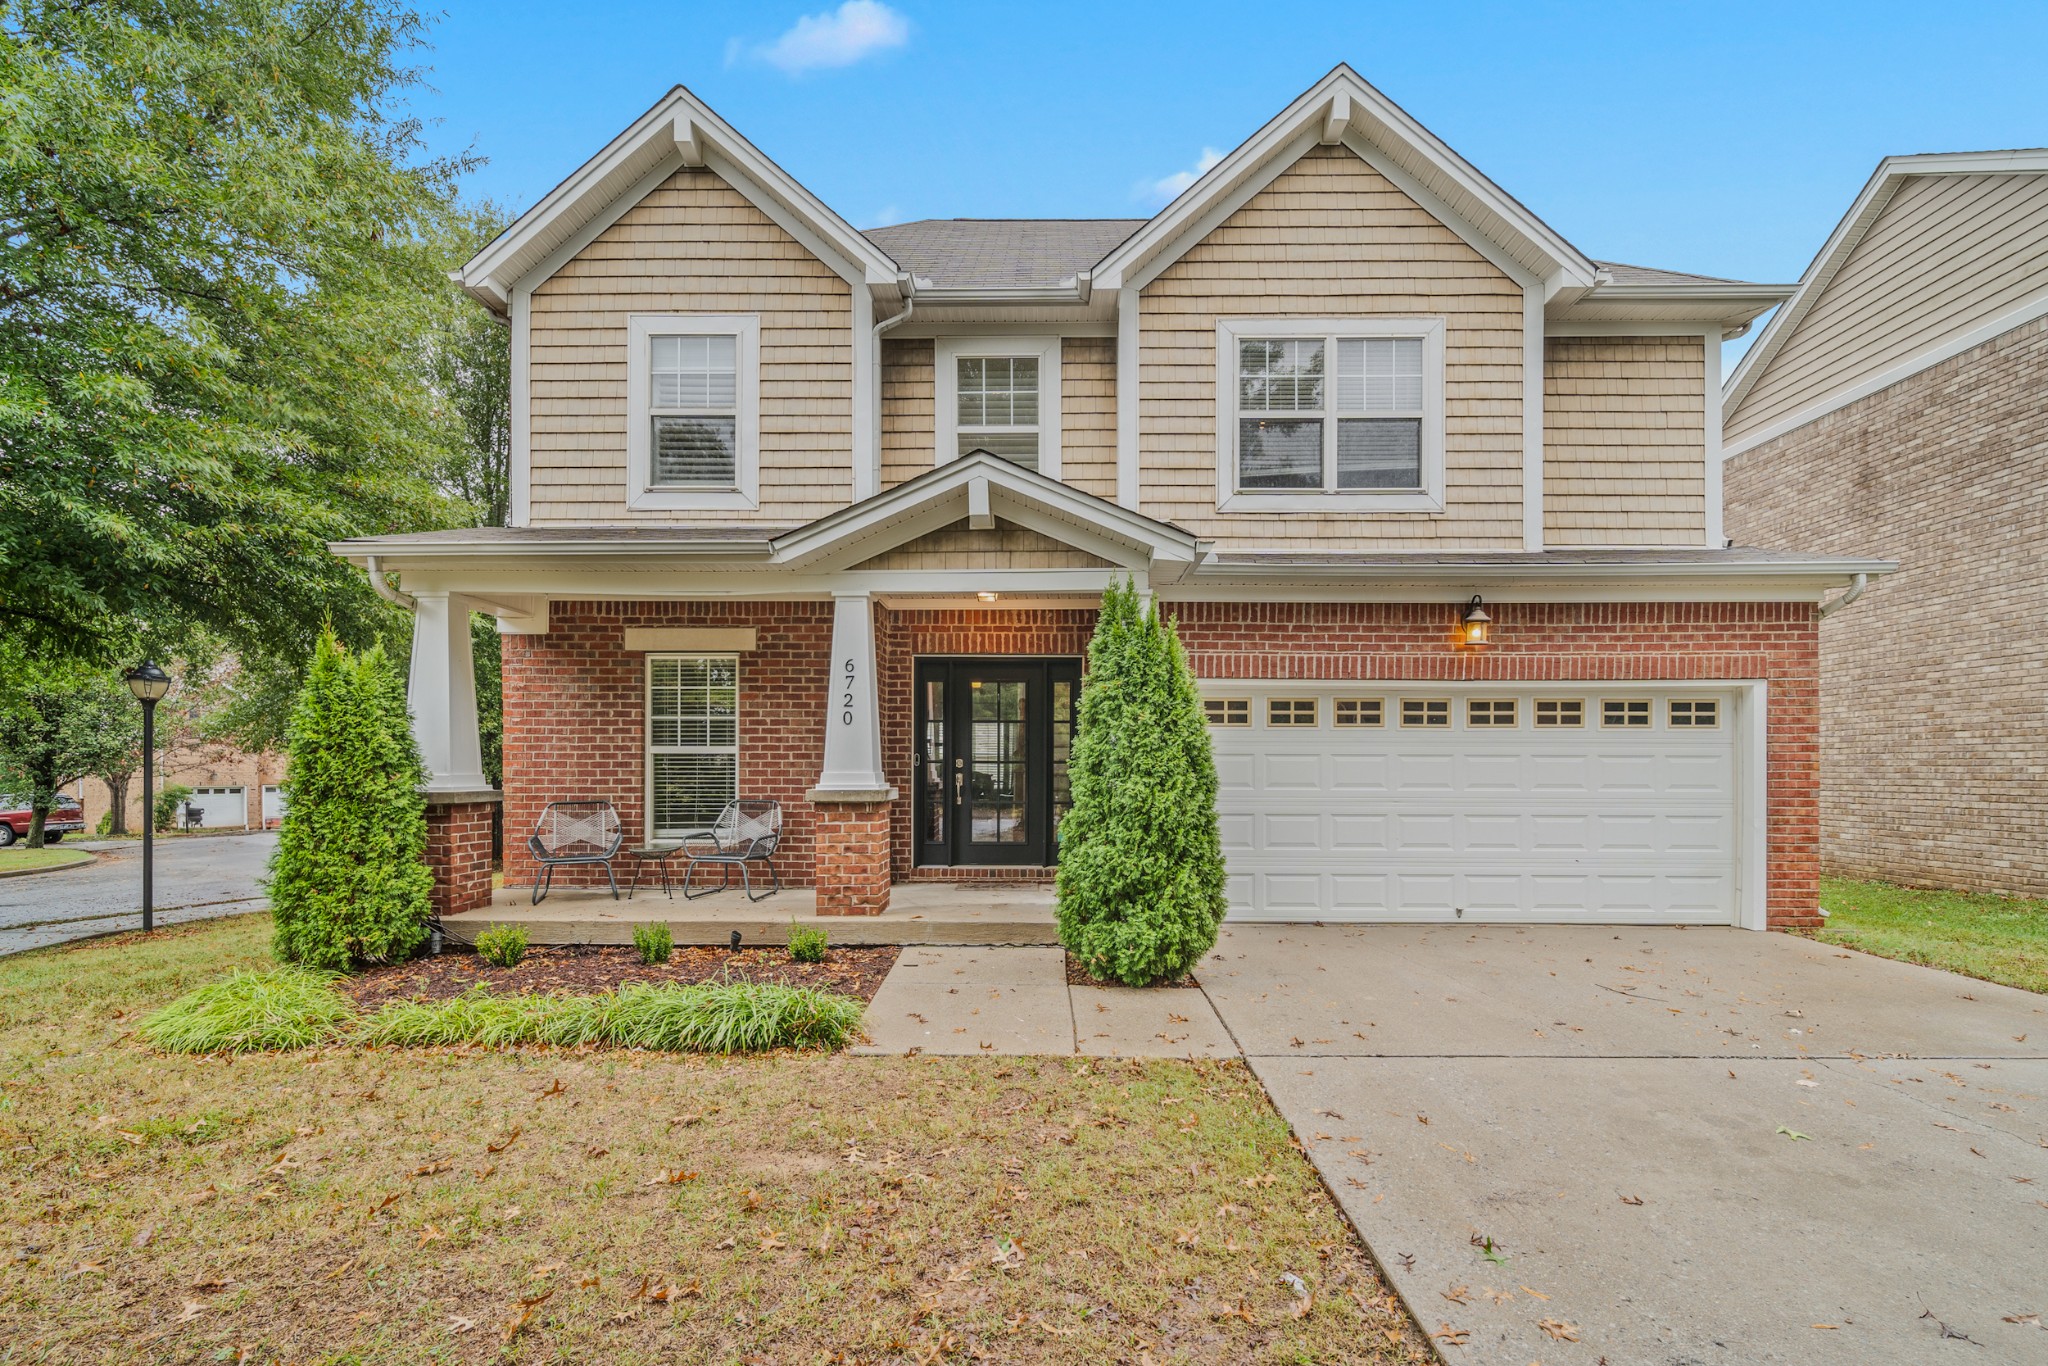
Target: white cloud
[
  {"x": 886, "y": 216},
  {"x": 1168, "y": 188},
  {"x": 841, "y": 37}
]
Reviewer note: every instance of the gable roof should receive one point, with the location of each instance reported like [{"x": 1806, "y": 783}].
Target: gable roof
[
  {"x": 1340, "y": 105},
  {"x": 679, "y": 130},
  {"x": 1869, "y": 206}
]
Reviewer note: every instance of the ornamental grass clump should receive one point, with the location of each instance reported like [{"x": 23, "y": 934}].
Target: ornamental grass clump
[
  {"x": 734, "y": 1017},
  {"x": 349, "y": 882},
  {"x": 1140, "y": 885},
  {"x": 249, "y": 1011}
]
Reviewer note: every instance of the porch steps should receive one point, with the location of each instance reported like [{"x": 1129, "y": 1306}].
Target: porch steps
[{"x": 987, "y": 911}]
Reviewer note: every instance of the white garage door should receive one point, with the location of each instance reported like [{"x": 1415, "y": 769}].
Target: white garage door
[
  {"x": 1367, "y": 802},
  {"x": 222, "y": 805}
]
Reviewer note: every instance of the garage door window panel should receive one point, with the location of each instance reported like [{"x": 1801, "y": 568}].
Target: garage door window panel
[
  {"x": 1695, "y": 713},
  {"x": 1295, "y": 712},
  {"x": 1358, "y": 711},
  {"x": 1425, "y": 712},
  {"x": 1623, "y": 713},
  {"x": 1490, "y": 713},
  {"x": 1560, "y": 712}
]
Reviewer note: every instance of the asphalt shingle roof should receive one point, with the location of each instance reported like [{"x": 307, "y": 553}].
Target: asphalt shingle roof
[{"x": 1001, "y": 253}]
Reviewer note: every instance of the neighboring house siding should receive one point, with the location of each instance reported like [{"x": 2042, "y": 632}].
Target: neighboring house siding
[
  {"x": 1331, "y": 237},
  {"x": 1088, "y": 414},
  {"x": 909, "y": 435},
  {"x": 1624, "y": 441},
  {"x": 1003, "y": 546},
  {"x": 1935, "y": 739},
  {"x": 1946, "y": 254},
  {"x": 692, "y": 246},
  {"x": 199, "y": 766}
]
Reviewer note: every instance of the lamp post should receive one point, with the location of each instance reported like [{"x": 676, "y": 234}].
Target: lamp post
[{"x": 149, "y": 684}]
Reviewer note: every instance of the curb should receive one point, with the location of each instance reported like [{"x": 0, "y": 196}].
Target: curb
[{"x": 89, "y": 859}]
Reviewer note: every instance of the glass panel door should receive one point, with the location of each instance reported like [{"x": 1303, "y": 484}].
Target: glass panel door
[
  {"x": 999, "y": 762},
  {"x": 990, "y": 769}
]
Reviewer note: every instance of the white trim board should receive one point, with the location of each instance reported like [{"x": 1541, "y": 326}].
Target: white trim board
[{"x": 2033, "y": 308}]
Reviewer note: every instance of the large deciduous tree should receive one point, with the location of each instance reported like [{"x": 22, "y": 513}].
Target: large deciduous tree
[
  {"x": 220, "y": 256},
  {"x": 59, "y": 723}
]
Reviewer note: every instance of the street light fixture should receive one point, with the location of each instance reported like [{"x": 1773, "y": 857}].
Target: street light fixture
[{"x": 149, "y": 684}]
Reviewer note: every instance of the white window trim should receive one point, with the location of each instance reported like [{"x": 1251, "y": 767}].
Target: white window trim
[
  {"x": 947, "y": 352},
  {"x": 640, "y": 491},
  {"x": 1430, "y": 498},
  {"x": 648, "y": 749}
]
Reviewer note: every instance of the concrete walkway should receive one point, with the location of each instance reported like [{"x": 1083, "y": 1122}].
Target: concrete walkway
[{"x": 967, "y": 1001}]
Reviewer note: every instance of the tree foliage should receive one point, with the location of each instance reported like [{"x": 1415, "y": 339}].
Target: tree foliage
[
  {"x": 348, "y": 883},
  {"x": 59, "y": 723},
  {"x": 218, "y": 261},
  {"x": 1140, "y": 890}
]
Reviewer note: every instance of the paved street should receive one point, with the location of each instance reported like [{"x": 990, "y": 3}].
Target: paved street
[{"x": 195, "y": 878}]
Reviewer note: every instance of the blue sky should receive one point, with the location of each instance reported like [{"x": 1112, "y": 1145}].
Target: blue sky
[{"x": 1725, "y": 139}]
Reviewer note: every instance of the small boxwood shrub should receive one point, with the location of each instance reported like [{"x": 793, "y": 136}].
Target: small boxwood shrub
[
  {"x": 247, "y": 1011},
  {"x": 807, "y": 943},
  {"x": 654, "y": 942},
  {"x": 502, "y": 946}
]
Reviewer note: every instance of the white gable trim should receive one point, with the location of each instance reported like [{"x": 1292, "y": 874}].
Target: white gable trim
[
  {"x": 1869, "y": 206},
  {"x": 1317, "y": 115}
]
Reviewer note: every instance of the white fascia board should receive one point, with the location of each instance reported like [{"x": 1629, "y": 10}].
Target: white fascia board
[
  {"x": 2034, "y": 307},
  {"x": 1382, "y": 123},
  {"x": 651, "y": 138}
]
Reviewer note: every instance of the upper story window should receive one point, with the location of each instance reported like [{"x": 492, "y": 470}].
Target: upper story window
[
  {"x": 1000, "y": 395},
  {"x": 1330, "y": 415},
  {"x": 693, "y": 432}
]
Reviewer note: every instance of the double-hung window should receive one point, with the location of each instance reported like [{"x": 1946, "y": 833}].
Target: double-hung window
[
  {"x": 693, "y": 750},
  {"x": 1000, "y": 395},
  {"x": 692, "y": 436},
  {"x": 1330, "y": 414}
]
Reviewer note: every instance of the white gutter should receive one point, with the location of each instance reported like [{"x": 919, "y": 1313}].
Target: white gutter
[
  {"x": 385, "y": 590},
  {"x": 1862, "y": 581}
]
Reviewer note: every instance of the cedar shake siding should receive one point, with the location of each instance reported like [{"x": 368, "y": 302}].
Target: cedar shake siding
[
  {"x": 1332, "y": 238},
  {"x": 1624, "y": 441},
  {"x": 1935, "y": 738},
  {"x": 692, "y": 246}
]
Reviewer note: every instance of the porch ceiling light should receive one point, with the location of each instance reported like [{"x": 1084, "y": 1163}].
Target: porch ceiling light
[
  {"x": 1476, "y": 627},
  {"x": 986, "y": 596}
]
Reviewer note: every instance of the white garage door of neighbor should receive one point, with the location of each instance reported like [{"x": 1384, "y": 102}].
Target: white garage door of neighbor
[
  {"x": 222, "y": 805},
  {"x": 1405, "y": 803}
]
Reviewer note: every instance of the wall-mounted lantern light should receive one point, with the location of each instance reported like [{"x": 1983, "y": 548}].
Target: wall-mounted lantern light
[{"x": 1475, "y": 627}]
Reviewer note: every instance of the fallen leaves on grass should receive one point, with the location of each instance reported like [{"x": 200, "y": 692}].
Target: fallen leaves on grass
[
  {"x": 507, "y": 1141},
  {"x": 676, "y": 1177}
]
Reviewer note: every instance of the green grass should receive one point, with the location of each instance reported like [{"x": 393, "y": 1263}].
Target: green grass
[
  {"x": 1995, "y": 938},
  {"x": 246, "y": 1011},
  {"x": 19, "y": 858},
  {"x": 383, "y": 1207}
]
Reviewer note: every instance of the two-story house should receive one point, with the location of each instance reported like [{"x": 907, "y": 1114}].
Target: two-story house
[{"x": 819, "y": 515}]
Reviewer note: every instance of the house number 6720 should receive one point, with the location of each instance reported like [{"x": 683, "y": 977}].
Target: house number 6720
[{"x": 846, "y": 714}]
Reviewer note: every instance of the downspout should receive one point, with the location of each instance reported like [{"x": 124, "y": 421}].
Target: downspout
[
  {"x": 1862, "y": 581},
  {"x": 891, "y": 322},
  {"x": 385, "y": 590}
]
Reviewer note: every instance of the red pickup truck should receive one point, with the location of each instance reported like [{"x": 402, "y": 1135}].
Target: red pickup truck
[{"x": 67, "y": 817}]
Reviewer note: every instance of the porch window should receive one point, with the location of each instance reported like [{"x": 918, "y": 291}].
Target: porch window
[{"x": 692, "y": 741}]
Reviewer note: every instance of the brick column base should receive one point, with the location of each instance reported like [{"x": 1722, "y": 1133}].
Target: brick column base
[
  {"x": 851, "y": 838},
  {"x": 459, "y": 849}
]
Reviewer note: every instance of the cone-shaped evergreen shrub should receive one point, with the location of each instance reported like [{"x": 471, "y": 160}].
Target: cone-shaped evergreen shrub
[
  {"x": 348, "y": 883},
  {"x": 1141, "y": 863}
]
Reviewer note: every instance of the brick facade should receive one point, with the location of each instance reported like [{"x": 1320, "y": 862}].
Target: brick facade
[
  {"x": 459, "y": 852},
  {"x": 1934, "y": 744},
  {"x": 574, "y": 723}
]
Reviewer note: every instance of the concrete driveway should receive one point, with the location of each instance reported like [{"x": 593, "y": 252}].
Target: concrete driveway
[
  {"x": 197, "y": 877},
  {"x": 1684, "y": 1146}
]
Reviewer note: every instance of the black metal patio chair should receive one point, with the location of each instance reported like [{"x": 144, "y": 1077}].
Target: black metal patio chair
[
  {"x": 745, "y": 833},
  {"x": 574, "y": 832}
]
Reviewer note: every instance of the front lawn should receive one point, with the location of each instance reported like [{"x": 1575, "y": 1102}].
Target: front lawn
[
  {"x": 1996, "y": 938},
  {"x": 19, "y": 858},
  {"x": 604, "y": 1205}
]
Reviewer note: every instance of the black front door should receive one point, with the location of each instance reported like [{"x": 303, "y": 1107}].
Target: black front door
[{"x": 992, "y": 741}]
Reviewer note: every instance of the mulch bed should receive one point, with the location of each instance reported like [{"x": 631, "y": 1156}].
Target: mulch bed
[
  {"x": 1077, "y": 976},
  {"x": 583, "y": 969}
]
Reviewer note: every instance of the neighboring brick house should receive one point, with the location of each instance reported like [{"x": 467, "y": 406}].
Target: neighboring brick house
[
  {"x": 821, "y": 516},
  {"x": 1898, "y": 405},
  {"x": 232, "y": 789}
]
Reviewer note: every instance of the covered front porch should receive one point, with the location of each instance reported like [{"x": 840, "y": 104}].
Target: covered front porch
[{"x": 919, "y": 912}]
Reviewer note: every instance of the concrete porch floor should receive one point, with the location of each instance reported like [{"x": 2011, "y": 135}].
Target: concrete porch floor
[{"x": 919, "y": 913}]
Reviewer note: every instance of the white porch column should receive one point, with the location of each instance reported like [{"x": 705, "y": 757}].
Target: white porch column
[
  {"x": 441, "y": 692},
  {"x": 853, "y": 716}
]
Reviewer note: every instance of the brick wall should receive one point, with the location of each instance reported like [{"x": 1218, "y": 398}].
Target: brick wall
[
  {"x": 853, "y": 857},
  {"x": 459, "y": 852},
  {"x": 575, "y": 704},
  {"x": 1934, "y": 742}
]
